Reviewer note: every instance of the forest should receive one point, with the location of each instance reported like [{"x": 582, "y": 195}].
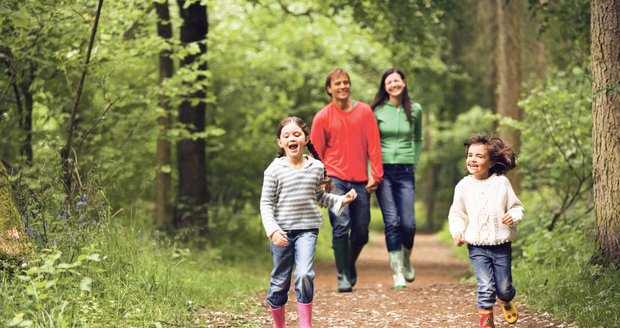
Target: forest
[{"x": 135, "y": 135}]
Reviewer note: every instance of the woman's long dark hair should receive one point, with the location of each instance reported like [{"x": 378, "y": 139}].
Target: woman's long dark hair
[
  {"x": 382, "y": 95},
  {"x": 327, "y": 182}
]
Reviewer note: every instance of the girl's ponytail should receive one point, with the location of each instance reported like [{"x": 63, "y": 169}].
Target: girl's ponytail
[{"x": 327, "y": 184}]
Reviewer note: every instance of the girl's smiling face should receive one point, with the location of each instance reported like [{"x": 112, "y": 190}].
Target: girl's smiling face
[
  {"x": 292, "y": 139},
  {"x": 478, "y": 162}
]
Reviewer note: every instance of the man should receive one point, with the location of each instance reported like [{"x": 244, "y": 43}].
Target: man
[{"x": 346, "y": 137}]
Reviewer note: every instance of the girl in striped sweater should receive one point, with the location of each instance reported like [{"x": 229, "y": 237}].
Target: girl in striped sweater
[{"x": 293, "y": 185}]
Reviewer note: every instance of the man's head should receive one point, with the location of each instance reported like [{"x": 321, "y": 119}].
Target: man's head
[{"x": 338, "y": 84}]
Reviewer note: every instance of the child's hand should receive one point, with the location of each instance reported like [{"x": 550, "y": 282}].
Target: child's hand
[
  {"x": 279, "y": 238},
  {"x": 507, "y": 219},
  {"x": 458, "y": 240},
  {"x": 349, "y": 197}
]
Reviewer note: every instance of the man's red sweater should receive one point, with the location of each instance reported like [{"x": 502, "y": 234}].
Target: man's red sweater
[{"x": 346, "y": 141}]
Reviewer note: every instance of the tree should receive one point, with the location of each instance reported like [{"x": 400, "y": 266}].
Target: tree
[
  {"x": 508, "y": 60},
  {"x": 191, "y": 150},
  {"x": 166, "y": 69},
  {"x": 605, "y": 30},
  {"x": 67, "y": 154},
  {"x": 13, "y": 241}
]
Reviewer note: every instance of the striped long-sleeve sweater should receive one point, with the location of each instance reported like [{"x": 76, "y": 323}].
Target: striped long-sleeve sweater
[{"x": 290, "y": 197}]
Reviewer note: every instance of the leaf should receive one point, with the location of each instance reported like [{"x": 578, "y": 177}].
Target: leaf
[
  {"x": 93, "y": 257},
  {"x": 166, "y": 169},
  {"x": 85, "y": 284}
]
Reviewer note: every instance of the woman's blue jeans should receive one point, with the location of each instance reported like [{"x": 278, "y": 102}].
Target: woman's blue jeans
[
  {"x": 300, "y": 252},
  {"x": 355, "y": 217},
  {"x": 396, "y": 196},
  {"x": 492, "y": 265}
]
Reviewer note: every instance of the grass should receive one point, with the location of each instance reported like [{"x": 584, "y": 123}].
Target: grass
[{"x": 133, "y": 280}]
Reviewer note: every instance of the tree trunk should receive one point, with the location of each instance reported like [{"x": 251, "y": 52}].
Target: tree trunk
[
  {"x": 430, "y": 181},
  {"x": 166, "y": 69},
  {"x": 68, "y": 159},
  {"x": 508, "y": 59},
  {"x": 191, "y": 152},
  {"x": 20, "y": 84},
  {"x": 13, "y": 241},
  {"x": 25, "y": 119},
  {"x": 605, "y": 31}
]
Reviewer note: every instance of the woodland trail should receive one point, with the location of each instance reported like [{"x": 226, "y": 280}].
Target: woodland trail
[{"x": 435, "y": 299}]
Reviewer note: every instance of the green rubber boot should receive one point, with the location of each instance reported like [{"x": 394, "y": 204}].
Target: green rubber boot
[
  {"x": 408, "y": 267},
  {"x": 355, "y": 249},
  {"x": 396, "y": 262},
  {"x": 342, "y": 256}
]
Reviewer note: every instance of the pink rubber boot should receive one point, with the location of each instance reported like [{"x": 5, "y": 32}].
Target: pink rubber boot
[
  {"x": 305, "y": 315},
  {"x": 279, "y": 316}
]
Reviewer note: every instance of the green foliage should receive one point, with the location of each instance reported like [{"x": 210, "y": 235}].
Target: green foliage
[
  {"x": 447, "y": 154},
  {"x": 556, "y": 151},
  {"x": 271, "y": 67},
  {"x": 132, "y": 276},
  {"x": 564, "y": 25},
  {"x": 53, "y": 291},
  {"x": 571, "y": 288}
]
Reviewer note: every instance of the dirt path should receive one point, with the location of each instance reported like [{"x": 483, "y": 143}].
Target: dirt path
[{"x": 435, "y": 299}]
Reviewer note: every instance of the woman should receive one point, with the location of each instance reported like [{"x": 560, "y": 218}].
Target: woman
[{"x": 400, "y": 127}]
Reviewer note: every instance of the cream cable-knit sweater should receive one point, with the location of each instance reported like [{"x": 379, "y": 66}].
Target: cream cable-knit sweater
[{"x": 477, "y": 209}]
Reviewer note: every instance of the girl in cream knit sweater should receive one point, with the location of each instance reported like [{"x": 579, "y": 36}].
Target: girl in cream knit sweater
[{"x": 484, "y": 215}]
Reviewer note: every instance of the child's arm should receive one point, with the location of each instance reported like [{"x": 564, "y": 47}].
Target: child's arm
[
  {"x": 267, "y": 201},
  {"x": 349, "y": 197},
  {"x": 279, "y": 238},
  {"x": 514, "y": 213},
  {"x": 335, "y": 203},
  {"x": 457, "y": 218}
]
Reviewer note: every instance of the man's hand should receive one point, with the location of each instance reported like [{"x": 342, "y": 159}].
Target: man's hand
[
  {"x": 372, "y": 185},
  {"x": 279, "y": 238},
  {"x": 349, "y": 197}
]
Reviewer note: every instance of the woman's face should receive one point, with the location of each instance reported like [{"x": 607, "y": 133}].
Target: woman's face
[{"x": 394, "y": 85}]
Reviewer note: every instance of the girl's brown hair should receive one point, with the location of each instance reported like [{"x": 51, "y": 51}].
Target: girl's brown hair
[
  {"x": 500, "y": 153},
  {"x": 326, "y": 184}
]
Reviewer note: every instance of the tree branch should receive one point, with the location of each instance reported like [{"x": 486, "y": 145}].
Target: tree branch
[
  {"x": 72, "y": 122},
  {"x": 77, "y": 148}
]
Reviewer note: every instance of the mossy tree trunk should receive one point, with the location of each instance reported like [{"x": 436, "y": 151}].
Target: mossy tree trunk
[
  {"x": 13, "y": 241},
  {"x": 605, "y": 27}
]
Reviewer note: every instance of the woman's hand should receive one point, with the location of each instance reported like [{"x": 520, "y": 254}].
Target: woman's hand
[
  {"x": 349, "y": 197},
  {"x": 279, "y": 238}
]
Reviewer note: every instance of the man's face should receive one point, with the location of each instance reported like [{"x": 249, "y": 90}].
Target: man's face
[{"x": 339, "y": 87}]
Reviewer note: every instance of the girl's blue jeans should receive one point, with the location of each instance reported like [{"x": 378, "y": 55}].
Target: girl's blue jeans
[
  {"x": 298, "y": 252},
  {"x": 355, "y": 217},
  {"x": 492, "y": 265},
  {"x": 396, "y": 196}
]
